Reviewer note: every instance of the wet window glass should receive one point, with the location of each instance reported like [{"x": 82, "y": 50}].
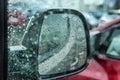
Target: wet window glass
[
  {"x": 22, "y": 46},
  {"x": 22, "y": 53}
]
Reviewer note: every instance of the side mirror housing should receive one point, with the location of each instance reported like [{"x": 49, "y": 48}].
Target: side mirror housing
[{"x": 65, "y": 34}]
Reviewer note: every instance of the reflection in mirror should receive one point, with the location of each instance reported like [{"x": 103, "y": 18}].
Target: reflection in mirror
[
  {"x": 114, "y": 47},
  {"x": 62, "y": 44}
]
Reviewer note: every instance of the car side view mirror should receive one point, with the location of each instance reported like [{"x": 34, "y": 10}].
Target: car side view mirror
[
  {"x": 55, "y": 46},
  {"x": 64, "y": 43}
]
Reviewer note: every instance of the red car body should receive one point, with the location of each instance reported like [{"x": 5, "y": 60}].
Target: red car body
[{"x": 100, "y": 68}]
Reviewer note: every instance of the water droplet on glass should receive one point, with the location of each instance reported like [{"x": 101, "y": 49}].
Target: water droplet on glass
[
  {"x": 24, "y": 24},
  {"x": 51, "y": 12},
  {"x": 35, "y": 42},
  {"x": 31, "y": 39},
  {"x": 64, "y": 15},
  {"x": 55, "y": 38},
  {"x": 30, "y": 55},
  {"x": 74, "y": 18},
  {"x": 31, "y": 23},
  {"x": 15, "y": 63},
  {"x": 37, "y": 14},
  {"x": 45, "y": 17},
  {"x": 13, "y": 31}
]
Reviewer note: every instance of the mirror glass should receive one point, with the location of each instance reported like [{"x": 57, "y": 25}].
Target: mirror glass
[{"x": 62, "y": 44}]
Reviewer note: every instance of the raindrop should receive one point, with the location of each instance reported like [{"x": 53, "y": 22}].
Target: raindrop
[
  {"x": 27, "y": 56},
  {"x": 36, "y": 22},
  {"x": 31, "y": 39},
  {"x": 79, "y": 30},
  {"x": 59, "y": 69},
  {"x": 51, "y": 12},
  {"x": 22, "y": 62},
  {"x": 19, "y": 30},
  {"x": 33, "y": 16},
  {"x": 37, "y": 14},
  {"x": 74, "y": 18},
  {"x": 35, "y": 42},
  {"x": 78, "y": 36},
  {"x": 45, "y": 17},
  {"x": 23, "y": 29},
  {"x": 14, "y": 31},
  {"x": 64, "y": 15},
  {"x": 27, "y": 59},
  {"x": 31, "y": 23},
  {"x": 24, "y": 24},
  {"x": 29, "y": 17},
  {"x": 30, "y": 55},
  {"x": 72, "y": 68},
  {"x": 55, "y": 38},
  {"x": 15, "y": 64},
  {"x": 20, "y": 27},
  {"x": 81, "y": 53},
  {"x": 34, "y": 53}
]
